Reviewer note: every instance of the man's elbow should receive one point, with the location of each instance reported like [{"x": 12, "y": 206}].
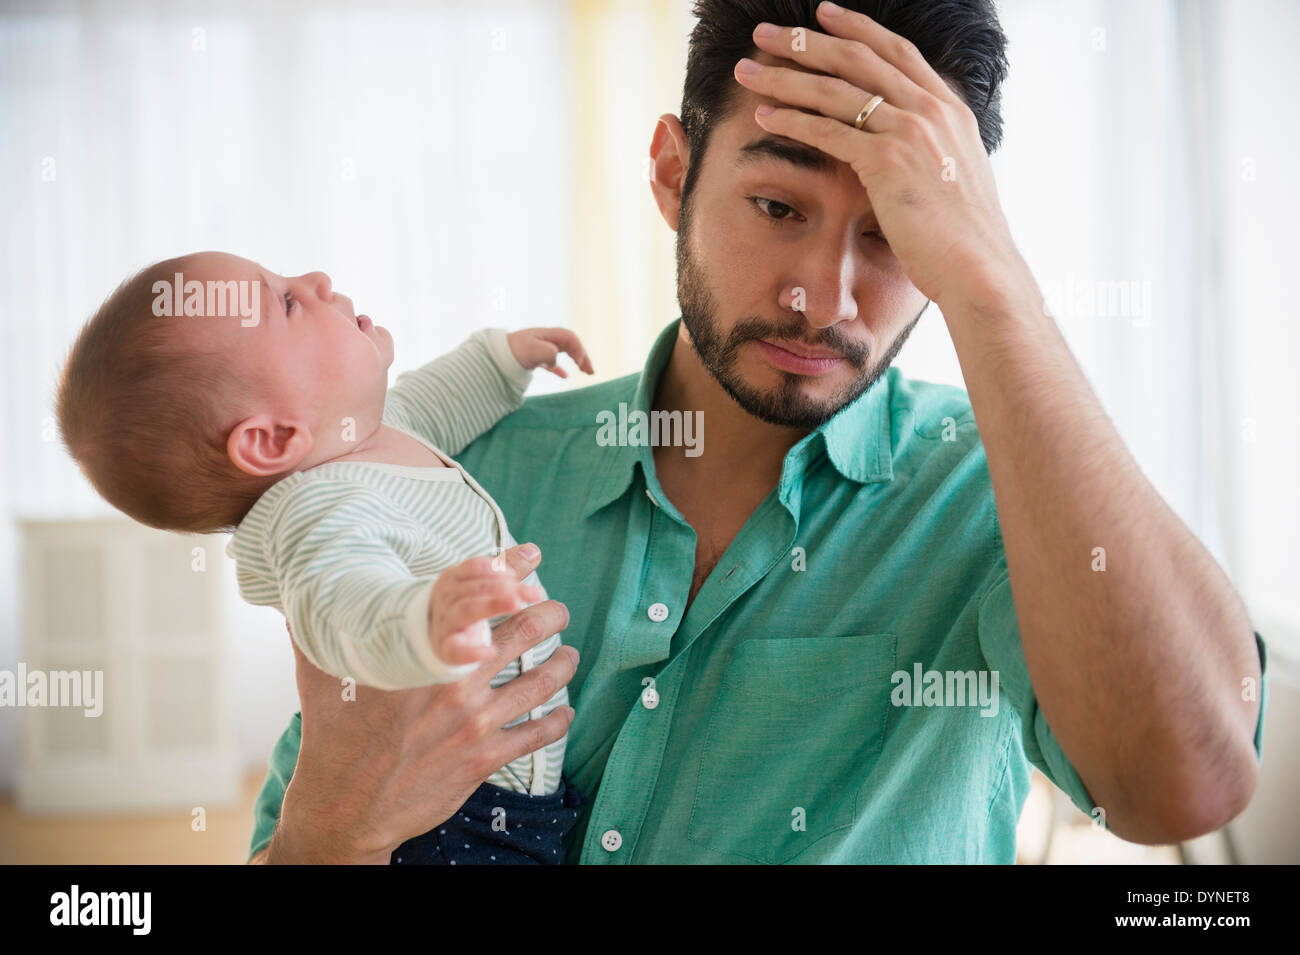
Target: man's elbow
[
  {"x": 1179, "y": 813},
  {"x": 1227, "y": 798}
]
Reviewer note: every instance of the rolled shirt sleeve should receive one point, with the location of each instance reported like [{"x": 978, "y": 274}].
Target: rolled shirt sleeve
[{"x": 999, "y": 637}]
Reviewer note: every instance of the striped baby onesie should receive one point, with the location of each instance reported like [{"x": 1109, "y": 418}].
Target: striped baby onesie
[{"x": 349, "y": 551}]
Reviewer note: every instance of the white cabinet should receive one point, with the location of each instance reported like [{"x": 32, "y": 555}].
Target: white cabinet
[{"x": 143, "y": 608}]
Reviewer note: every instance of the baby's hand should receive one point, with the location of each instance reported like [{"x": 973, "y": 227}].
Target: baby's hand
[
  {"x": 535, "y": 347},
  {"x": 464, "y": 598}
]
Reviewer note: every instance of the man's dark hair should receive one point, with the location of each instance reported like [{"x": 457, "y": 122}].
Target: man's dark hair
[{"x": 961, "y": 39}]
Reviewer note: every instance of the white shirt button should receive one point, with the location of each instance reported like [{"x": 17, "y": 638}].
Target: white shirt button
[
  {"x": 611, "y": 840},
  {"x": 649, "y": 697},
  {"x": 658, "y": 612}
]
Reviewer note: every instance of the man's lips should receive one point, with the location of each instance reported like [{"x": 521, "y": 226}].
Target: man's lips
[
  {"x": 803, "y": 351},
  {"x": 805, "y": 361}
]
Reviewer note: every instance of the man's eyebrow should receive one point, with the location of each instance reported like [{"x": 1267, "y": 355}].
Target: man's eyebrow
[{"x": 785, "y": 150}]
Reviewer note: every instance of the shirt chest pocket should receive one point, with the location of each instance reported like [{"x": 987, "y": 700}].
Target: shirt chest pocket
[{"x": 796, "y": 726}]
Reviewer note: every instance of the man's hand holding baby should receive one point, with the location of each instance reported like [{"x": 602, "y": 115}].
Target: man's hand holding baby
[
  {"x": 541, "y": 347},
  {"x": 382, "y": 767}
]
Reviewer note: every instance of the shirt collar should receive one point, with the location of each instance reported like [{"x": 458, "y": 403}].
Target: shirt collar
[{"x": 857, "y": 439}]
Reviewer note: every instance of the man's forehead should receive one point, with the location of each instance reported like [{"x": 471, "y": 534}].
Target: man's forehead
[{"x": 752, "y": 142}]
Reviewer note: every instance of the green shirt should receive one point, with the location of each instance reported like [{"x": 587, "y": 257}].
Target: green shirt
[{"x": 794, "y": 712}]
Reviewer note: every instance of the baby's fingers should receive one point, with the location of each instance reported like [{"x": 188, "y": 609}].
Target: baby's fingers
[
  {"x": 474, "y": 569},
  {"x": 571, "y": 345},
  {"x": 472, "y": 645},
  {"x": 567, "y": 341},
  {"x": 504, "y": 597}
]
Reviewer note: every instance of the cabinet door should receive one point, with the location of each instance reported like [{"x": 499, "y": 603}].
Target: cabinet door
[{"x": 137, "y": 613}]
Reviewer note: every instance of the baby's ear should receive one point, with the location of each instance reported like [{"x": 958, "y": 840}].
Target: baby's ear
[{"x": 260, "y": 446}]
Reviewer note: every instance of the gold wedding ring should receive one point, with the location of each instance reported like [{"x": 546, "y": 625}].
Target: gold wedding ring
[{"x": 867, "y": 111}]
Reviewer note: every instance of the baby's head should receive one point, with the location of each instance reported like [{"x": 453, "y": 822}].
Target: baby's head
[{"x": 203, "y": 380}]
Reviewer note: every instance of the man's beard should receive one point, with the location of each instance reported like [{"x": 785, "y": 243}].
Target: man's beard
[{"x": 786, "y": 404}]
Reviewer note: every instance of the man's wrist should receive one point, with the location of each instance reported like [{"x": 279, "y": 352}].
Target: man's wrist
[
  {"x": 990, "y": 294},
  {"x": 292, "y": 844},
  {"x": 986, "y": 279}
]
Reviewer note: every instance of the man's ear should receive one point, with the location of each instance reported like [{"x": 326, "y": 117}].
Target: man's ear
[
  {"x": 260, "y": 446},
  {"x": 669, "y": 160}
]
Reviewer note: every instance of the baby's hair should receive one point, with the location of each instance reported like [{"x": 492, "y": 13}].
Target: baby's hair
[{"x": 147, "y": 419}]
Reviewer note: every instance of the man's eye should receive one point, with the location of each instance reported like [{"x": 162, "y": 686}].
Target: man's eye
[
  {"x": 775, "y": 212},
  {"x": 879, "y": 237}
]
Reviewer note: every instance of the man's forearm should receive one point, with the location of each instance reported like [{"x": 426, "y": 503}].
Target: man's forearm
[{"x": 1138, "y": 667}]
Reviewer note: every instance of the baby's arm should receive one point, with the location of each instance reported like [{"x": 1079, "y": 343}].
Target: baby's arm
[
  {"x": 455, "y": 398},
  {"x": 340, "y": 557}
]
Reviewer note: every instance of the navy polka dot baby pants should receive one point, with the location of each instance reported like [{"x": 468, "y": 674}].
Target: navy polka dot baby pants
[{"x": 499, "y": 827}]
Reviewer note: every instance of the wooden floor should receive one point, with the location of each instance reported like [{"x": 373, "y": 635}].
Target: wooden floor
[{"x": 155, "y": 839}]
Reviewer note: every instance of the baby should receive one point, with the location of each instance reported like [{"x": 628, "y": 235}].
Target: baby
[{"x": 208, "y": 394}]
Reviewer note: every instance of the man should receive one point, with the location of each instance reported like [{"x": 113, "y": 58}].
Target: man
[{"x": 794, "y": 646}]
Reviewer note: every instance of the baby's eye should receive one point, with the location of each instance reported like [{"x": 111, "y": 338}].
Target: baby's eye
[{"x": 288, "y": 302}]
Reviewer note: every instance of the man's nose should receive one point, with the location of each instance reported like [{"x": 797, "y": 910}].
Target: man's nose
[{"x": 821, "y": 285}]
